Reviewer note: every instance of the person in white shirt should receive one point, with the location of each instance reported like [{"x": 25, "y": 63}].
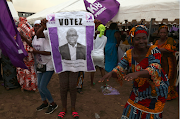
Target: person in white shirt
[
  {"x": 42, "y": 53},
  {"x": 97, "y": 53}
]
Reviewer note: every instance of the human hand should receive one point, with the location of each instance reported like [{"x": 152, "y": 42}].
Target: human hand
[
  {"x": 43, "y": 22},
  {"x": 106, "y": 77},
  {"x": 97, "y": 32},
  {"x": 33, "y": 51},
  {"x": 130, "y": 76}
]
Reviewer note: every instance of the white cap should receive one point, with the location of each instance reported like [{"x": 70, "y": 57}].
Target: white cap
[{"x": 37, "y": 22}]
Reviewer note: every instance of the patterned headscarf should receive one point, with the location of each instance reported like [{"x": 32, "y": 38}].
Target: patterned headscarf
[
  {"x": 163, "y": 26},
  {"x": 25, "y": 28},
  {"x": 22, "y": 19},
  {"x": 136, "y": 30}
]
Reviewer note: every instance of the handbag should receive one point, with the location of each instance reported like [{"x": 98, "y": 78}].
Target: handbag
[{"x": 41, "y": 67}]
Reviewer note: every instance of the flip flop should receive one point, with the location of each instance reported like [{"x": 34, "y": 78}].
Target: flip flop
[
  {"x": 61, "y": 115},
  {"x": 75, "y": 115}
]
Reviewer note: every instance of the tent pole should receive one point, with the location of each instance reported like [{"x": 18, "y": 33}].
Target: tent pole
[
  {"x": 126, "y": 24},
  {"x": 150, "y": 29}
]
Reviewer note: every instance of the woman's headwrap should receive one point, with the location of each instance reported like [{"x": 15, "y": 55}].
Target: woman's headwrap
[
  {"x": 22, "y": 19},
  {"x": 25, "y": 28},
  {"x": 101, "y": 28},
  {"x": 37, "y": 22},
  {"x": 163, "y": 26},
  {"x": 136, "y": 30}
]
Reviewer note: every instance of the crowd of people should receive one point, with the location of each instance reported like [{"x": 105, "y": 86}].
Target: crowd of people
[{"x": 151, "y": 68}]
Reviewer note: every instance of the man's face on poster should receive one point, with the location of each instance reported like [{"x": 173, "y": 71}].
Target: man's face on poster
[{"x": 72, "y": 37}]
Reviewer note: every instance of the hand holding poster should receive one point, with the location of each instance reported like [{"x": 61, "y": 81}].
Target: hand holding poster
[{"x": 71, "y": 39}]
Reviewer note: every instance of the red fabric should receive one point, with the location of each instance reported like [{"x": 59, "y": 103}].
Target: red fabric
[
  {"x": 141, "y": 31},
  {"x": 145, "y": 102},
  {"x": 25, "y": 28},
  {"x": 162, "y": 99},
  {"x": 144, "y": 63},
  {"x": 132, "y": 97},
  {"x": 157, "y": 56},
  {"x": 27, "y": 77},
  {"x": 160, "y": 115},
  {"x": 135, "y": 84},
  {"x": 126, "y": 105},
  {"x": 144, "y": 87},
  {"x": 143, "y": 116}
]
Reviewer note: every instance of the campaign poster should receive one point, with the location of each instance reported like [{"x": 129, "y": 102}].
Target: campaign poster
[{"x": 71, "y": 38}]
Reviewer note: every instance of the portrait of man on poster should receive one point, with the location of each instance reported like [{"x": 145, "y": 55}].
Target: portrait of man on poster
[{"x": 72, "y": 50}]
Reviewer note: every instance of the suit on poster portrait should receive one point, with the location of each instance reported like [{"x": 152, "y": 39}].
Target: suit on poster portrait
[{"x": 72, "y": 50}]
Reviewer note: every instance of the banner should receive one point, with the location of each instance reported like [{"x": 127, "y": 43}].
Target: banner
[
  {"x": 71, "y": 39},
  {"x": 10, "y": 39},
  {"x": 103, "y": 10}
]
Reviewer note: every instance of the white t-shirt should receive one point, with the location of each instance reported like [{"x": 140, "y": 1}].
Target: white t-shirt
[
  {"x": 98, "y": 50},
  {"x": 99, "y": 44},
  {"x": 42, "y": 44}
]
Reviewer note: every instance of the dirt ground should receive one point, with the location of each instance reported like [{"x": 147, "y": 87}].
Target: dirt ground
[{"x": 15, "y": 104}]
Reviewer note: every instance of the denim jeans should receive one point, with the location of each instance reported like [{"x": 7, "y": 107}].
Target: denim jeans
[{"x": 43, "y": 80}]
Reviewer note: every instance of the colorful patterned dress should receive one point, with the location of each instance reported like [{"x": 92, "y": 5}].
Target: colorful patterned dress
[
  {"x": 168, "y": 62},
  {"x": 27, "y": 77},
  {"x": 148, "y": 95}
]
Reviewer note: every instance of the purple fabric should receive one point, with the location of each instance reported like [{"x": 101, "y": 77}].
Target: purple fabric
[
  {"x": 8, "y": 30},
  {"x": 55, "y": 48},
  {"x": 89, "y": 42},
  {"x": 173, "y": 29},
  {"x": 103, "y": 10},
  {"x": 112, "y": 91}
]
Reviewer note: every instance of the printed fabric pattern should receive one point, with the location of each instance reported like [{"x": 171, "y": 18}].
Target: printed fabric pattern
[
  {"x": 148, "y": 95},
  {"x": 169, "y": 65}
]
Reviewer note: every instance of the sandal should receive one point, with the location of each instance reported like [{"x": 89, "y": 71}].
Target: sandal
[
  {"x": 75, "y": 115},
  {"x": 61, "y": 115}
]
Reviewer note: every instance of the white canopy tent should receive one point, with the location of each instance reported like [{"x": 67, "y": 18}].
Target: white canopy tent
[
  {"x": 13, "y": 11},
  {"x": 129, "y": 10},
  {"x": 147, "y": 9},
  {"x": 55, "y": 9}
]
